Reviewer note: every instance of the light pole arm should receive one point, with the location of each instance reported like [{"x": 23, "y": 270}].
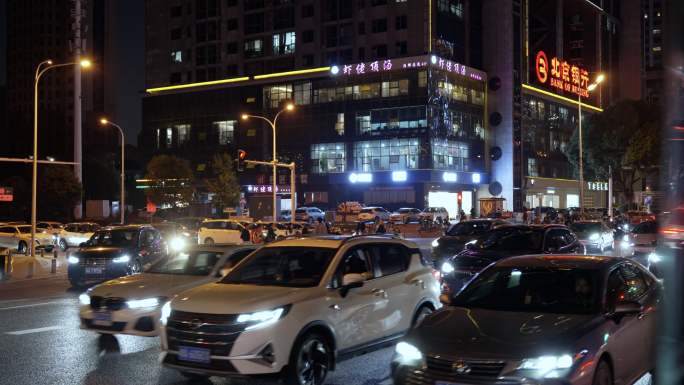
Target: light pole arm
[{"x": 262, "y": 118}]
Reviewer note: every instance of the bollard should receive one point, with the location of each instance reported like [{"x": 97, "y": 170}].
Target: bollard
[
  {"x": 56, "y": 252},
  {"x": 68, "y": 254},
  {"x": 8, "y": 265},
  {"x": 31, "y": 269},
  {"x": 26, "y": 252},
  {"x": 42, "y": 253},
  {"x": 54, "y": 267}
]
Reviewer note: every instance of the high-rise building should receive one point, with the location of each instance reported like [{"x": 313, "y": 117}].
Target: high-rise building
[
  {"x": 42, "y": 30},
  {"x": 654, "y": 29},
  {"x": 397, "y": 102}
]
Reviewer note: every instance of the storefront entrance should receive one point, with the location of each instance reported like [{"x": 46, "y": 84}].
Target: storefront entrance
[{"x": 449, "y": 201}]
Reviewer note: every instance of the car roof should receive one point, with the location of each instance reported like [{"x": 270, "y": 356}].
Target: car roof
[
  {"x": 82, "y": 223},
  {"x": 560, "y": 260},
  {"x": 335, "y": 241},
  {"x": 589, "y": 221},
  {"x": 130, "y": 227},
  {"x": 528, "y": 227},
  {"x": 220, "y": 247}
]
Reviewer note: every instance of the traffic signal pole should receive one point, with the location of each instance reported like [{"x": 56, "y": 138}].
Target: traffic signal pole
[{"x": 274, "y": 164}]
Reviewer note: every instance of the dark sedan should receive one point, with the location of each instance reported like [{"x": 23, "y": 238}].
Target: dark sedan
[
  {"x": 544, "y": 320},
  {"x": 115, "y": 253},
  {"x": 503, "y": 242},
  {"x": 454, "y": 240}
]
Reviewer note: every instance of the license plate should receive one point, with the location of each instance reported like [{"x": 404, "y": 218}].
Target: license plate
[
  {"x": 103, "y": 318},
  {"x": 194, "y": 354},
  {"x": 93, "y": 270}
]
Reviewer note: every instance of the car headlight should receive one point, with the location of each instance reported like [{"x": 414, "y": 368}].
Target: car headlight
[
  {"x": 146, "y": 302},
  {"x": 186, "y": 234},
  {"x": 594, "y": 236},
  {"x": 547, "y": 363},
  {"x": 408, "y": 351},
  {"x": 177, "y": 243},
  {"x": 654, "y": 257},
  {"x": 625, "y": 227},
  {"x": 631, "y": 245},
  {"x": 625, "y": 238},
  {"x": 73, "y": 259},
  {"x": 435, "y": 243},
  {"x": 121, "y": 259},
  {"x": 165, "y": 312},
  {"x": 262, "y": 318},
  {"x": 84, "y": 298},
  {"x": 447, "y": 268}
]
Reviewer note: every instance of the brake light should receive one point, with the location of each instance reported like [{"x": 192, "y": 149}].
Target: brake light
[
  {"x": 672, "y": 231},
  {"x": 437, "y": 274}
]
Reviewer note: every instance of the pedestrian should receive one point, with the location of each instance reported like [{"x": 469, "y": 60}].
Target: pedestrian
[
  {"x": 463, "y": 216},
  {"x": 381, "y": 228},
  {"x": 327, "y": 228},
  {"x": 245, "y": 235},
  {"x": 360, "y": 228},
  {"x": 525, "y": 217},
  {"x": 472, "y": 212},
  {"x": 257, "y": 236},
  {"x": 271, "y": 236},
  {"x": 320, "y": 227},
  {"x": 305, "y": 229},
  {"x": 289, "y": 230}
]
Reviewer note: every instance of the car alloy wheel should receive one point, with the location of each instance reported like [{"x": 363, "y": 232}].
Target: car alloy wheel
[
  {"x": 601, "y": 245},
  {"x": 421, "y": 315},
  {"x": 311, "y": 221},
  {"x": 22, "y": 247},
  {"x": 603, "y": 376},
  {"x": 63, "y": 246},
  {"x": 312, "y": 360},
  {"x": 407, "y": 220},
  {"x": 136, "y": 267},
  {"x": 77, "y": 282},
  {"x": 208, "y": 241}
]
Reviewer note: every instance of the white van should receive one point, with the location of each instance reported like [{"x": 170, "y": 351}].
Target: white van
[{"x": 220, "y": 231}]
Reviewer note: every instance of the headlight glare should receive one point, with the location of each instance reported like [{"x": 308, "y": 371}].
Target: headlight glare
[
  {"x": 262, "y": 318},
  {"x": 654, "y": 257},
  {"x": 447, "y": 268},
  {"x": 177, "y": 243},
  {"x": 121, "y": 259},
  {"x": 547, "y": 363},
  {"x": 625, "y": 238},
  {"x": 146, "y": 302},
  {"x": 84, "y": 298},
  {"x": 73, "y": 259},
  {"x": 165, "y": 312},
  {"x": 435, "y": 243},
  {"x": 408, "y": 351},
  {"x": 594, "y": 236}
]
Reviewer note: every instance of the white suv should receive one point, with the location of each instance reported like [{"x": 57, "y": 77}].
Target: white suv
[
  {"x": 297, "y": 307},
  {"x": 308, "y": 214},
  {"x": 436, "y": 214},
  {"x": 375, "y": 214},
  {"x": 220, "y": 231}
]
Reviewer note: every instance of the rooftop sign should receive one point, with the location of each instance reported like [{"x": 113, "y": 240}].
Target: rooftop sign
[{"x": 424, "y": 61}]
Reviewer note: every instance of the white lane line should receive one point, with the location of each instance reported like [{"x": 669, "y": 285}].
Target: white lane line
[
  {"x": 29, "y": 331},
  {"x": 38, "y": 304},
  {"x": 30, "y": 299}
]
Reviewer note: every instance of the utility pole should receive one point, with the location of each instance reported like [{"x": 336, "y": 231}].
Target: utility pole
[{"x": 77, "y": 13}]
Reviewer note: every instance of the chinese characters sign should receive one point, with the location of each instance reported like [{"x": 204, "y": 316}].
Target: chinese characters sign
[
  {"x": 562, "y": 75},
  {"x": 6, "y": 194},
  {"x": 409, "y": 62}
]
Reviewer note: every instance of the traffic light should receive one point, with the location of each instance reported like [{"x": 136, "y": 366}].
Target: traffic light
[
  {"x": 460, "y": 198},
  {"x": 241, "y": 160}
]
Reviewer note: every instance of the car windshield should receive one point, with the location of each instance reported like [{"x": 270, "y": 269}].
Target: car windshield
[
  {"x": 431, "y": 210},
  {"x": 282, "y": 266},
  {"x": 90, "y": 228},
  {"x": 509, "y": 240},
  {"x": 468, "y": 228},
  {"x": 584, "y": 227},
  {"x": 646, "y": 228},
  {"x": 56, "y": 225},
  {"x": 367, "y": 211},
  {"x": 25, "y": 229},
  {"x": 300, "y": 211},
  {"x": 532, "y": 289},
  {"x": 114, "y": 238},
  {"x": 404, "y": 211},
  {"x": 198, "y": 263}
]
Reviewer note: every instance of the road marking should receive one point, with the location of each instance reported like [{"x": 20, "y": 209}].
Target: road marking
[
  {"x": 30, "y": 299},
  {"x": 29, "y": 331},
  {"x": 38, "y": 304}
]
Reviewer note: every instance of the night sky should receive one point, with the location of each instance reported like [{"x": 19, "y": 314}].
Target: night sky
[{"x": 130, "y": 71}]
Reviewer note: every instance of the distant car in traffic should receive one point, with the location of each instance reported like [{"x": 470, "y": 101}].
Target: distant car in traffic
[
  {"x": 308, "y": 214},
  {"x": 286, "y": 215},
  {"x": 435, "y": 214},
  {"x": 594, "y": 234},
  {"x": 455, "y": 239},
  {"x": 642, "y": 240},
  {"x": 374, "y": 214},
  {"x": 405, "y": 215},
  {"x": 633, "y": 218},
  {"x": 18, "y": 237},
  {"x": 171, "y": 232},
  {"x": 55, "y": 228},
  {"x": 540, "y": 319},
  {"x": 116, "y": 253},
  {"x": 132, "y": 305},
  {"x": 504, "y": 242}
]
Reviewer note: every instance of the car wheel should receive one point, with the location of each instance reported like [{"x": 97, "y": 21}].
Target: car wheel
[
  {"x": 612, "y": 245},
  {"x": 77, "y": 282},
  {"x": 63, "y": 245},
  {"x": 311, "y": 220},
  {"x": 136, "y": 267},
  {"x": 601, "y": 247},
  {"x": 22, "y": 247},
  {"x": 603, "y": 376},
  {"x": 421, "y": 315},
  {"x": 310, "y": 361},
  {"x": 194, "y": 376},
  {"x": 407, "y": 221},
  {"x": 208, "y": 241}
]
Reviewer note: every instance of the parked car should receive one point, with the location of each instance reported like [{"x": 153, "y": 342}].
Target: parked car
[
  {"x": 633, "y": 218},
  {"x": 594, "y": 235},
  {"x": 192, "y": 223},
  {"x": 116, "y": 253},
  {"x": 77, "y": 233},
  {"x": 374, "y": 214},
  {"x": 220, "y": 231},
  {"x": 295, "y": 308},
  {"x": 286, "y": 215},
  {"x": 132, "y": 305},
  {"x": 435, "y": 214},
  {"x": 641, "y": 241},
  {"x": 308, "y": 214},
  {"x": 281, "y": 228},
  {"x": 561, "y": 319},
  {"x": 455, "y": 239},
  {"x": 504, "y": 242},
  {"x": 405, "y": 215},
  {"x": 18, "y": 237},
  {"x": 55, "y": 228}
]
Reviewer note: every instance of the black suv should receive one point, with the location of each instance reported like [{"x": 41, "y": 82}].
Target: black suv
[
  {"x": 503, "y": 242},
  {"x": 116, "y": 252},
  {"x": 454, "y": 240}
]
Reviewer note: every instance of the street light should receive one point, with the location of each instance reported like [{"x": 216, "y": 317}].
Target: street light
[
  {"x": 579, "y": 103},
  {"x": 121, "y": 208},
  {"x": 275, "y": 161},
  {"x": 83, "y": 63}
]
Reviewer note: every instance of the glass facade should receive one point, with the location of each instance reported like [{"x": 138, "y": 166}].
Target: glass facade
[{"x": 390, "y": 154}]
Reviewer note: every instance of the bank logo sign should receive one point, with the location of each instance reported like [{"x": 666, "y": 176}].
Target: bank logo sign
[{"x": 562, "y": 75}]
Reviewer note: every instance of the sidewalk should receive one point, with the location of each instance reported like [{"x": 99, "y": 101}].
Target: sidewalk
[{"x": 43, "y": 266}]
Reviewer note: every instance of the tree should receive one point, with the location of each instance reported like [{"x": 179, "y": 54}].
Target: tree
[
  {"x": 226, "y": 188},
  {"x": 170, "y": 181},
  {"x": 100, "y": 181},
  {"x": 60, "y": 188},
  {"x": 624, "y": 138}
]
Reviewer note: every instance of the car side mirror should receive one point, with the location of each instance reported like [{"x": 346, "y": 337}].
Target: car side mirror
[
  {"x": 627, "y": 307},
  {"x": 224, "y": 272},
  {"x": 82, "y": 244},
  {"x": 351, "y": 281},
  {"x": 446, "y": 298}
]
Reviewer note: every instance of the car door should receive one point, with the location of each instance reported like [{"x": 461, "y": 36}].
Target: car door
[
  {"x": 71, "y": 234},
  {"x": 8, "y": 237},
  {"x": 359, "y": 316},
  {"x": 233, "y": 232},
  {"x": 642, "y": 291}
]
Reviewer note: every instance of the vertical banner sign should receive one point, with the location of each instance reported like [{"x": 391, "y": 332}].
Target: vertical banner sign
[
  {"x": 562, "y": 75},
  {"x": 151, "y": 208},
  {"x": 6, "y": 194}
]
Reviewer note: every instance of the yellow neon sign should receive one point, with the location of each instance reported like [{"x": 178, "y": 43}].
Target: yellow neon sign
[
  {"x": 151, "y": 90},
  {"x": 292, "y": 73},
  {"x": 561, "y": 98}
]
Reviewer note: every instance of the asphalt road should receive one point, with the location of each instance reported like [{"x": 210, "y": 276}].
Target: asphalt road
[{"x": 40, "y": 343}]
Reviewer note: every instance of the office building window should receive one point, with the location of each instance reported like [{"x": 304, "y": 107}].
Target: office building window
[
  {"x": 201, "y": 32},
  {"x": 362, "y": 54},
  {"x": 176, "y": 57},
  {"x": 232, "y": 24},
  {"x": 383, "y": 121},
  {"x": 284, "y": 43},
  {"x": 283, "y": 18},
  {"x": 302, "y": 92},
  {"x": 656, "y": 48},
  {"x": 158, "y": 138},
  {"x": 254, "y": 48},
  {"x": 395, "y": 88},
  {"x": 183, "y": 134},
  {"x": 362, "y": 28},
  {"x": 188, "y": 54},
  {"x": 330, "y": 58},
  {"x": 274, "y": 94},
  {"x": 307, "y": 60},
  {"x": 308, "y": 36},
  {"x": 307, "y": 11},
  {"x": 449, "y": 155},
  {"x": 201, "y": 56},
  {"x": 232, "y": 70},
  {"x": 212, "y": 54},
  {"x": 225, "y": 131},
  {"x": 401, "y": 48},
  {"x": 231, "y": 48},
  {"x": 328, "y": 158},
  {"x": 176, "y": 11},
  {"x": 656, "y": 31},
  {"x": 331, "y": 36},
  {"x": 391, "y": 154},
  {"x": 169, "y": 138},
  {"x": 175, "y": 78},
  {"x": 188, "y": 77},
  {"x": 379, "y": 25},
  {"x": 451, "y": 7},
  {"x": 212, "y": 74},
  {"x": 379, "y": 51},
  {"x": 401, "y": 22},
  {"x": 201, "y": 75},
  {"x": 253, "y": 4},
  {"x": 346, "y": 56},
  {"x": 188, "y": 32},
  {"x": 175, "y": 34},
  {"x": 254, "y": 23},
  {"x": 207, "y": 8},
  {"x": 346, "y": 35}
]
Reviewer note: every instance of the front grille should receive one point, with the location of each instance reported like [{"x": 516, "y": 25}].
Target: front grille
[
  {"x": 488, "y": 369},
  {"x": 412, "y": 376},
  {"x": 94, "y": 262},
  {"x": 220, "y": 365},
  {"x": 465, "y": 272},
  {"x": 145, "y": 324},
  {"x": 108, "y": 303},
  {"x": 218, "y": 332},
  {"x": 116, "y": 326}
]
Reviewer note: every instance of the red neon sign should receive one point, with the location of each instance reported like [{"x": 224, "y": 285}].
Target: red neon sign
[{"x": 562, "y": 75}]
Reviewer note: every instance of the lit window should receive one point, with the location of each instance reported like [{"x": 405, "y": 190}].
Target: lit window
[
  {"x": 656, "y": 48},
  {"x": 176, "y": 57},
  {"x": 169, "y": 137},
  {"x": 274, "y": 94},
  {"x": 328, "y": 157},
  {"x": 645, "y": 15},
  {"x": 284, "y": 43},
  {"x": 656, "y": 31},
  {"x": 183, "y": 134},
  {"x": 225, "y": 130}
]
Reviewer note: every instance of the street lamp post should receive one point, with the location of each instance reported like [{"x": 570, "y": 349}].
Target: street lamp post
[
  {"x": 275, "y": 161},
  {"x": 579, "y": 103},
  {"x": 121, "y": 208},
  {"x": 39, "y": 73}
]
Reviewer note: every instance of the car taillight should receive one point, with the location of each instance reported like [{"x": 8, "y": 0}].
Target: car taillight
[
  {"x": 672, "y": 231},
  {"x": 437, "y": 274}
]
